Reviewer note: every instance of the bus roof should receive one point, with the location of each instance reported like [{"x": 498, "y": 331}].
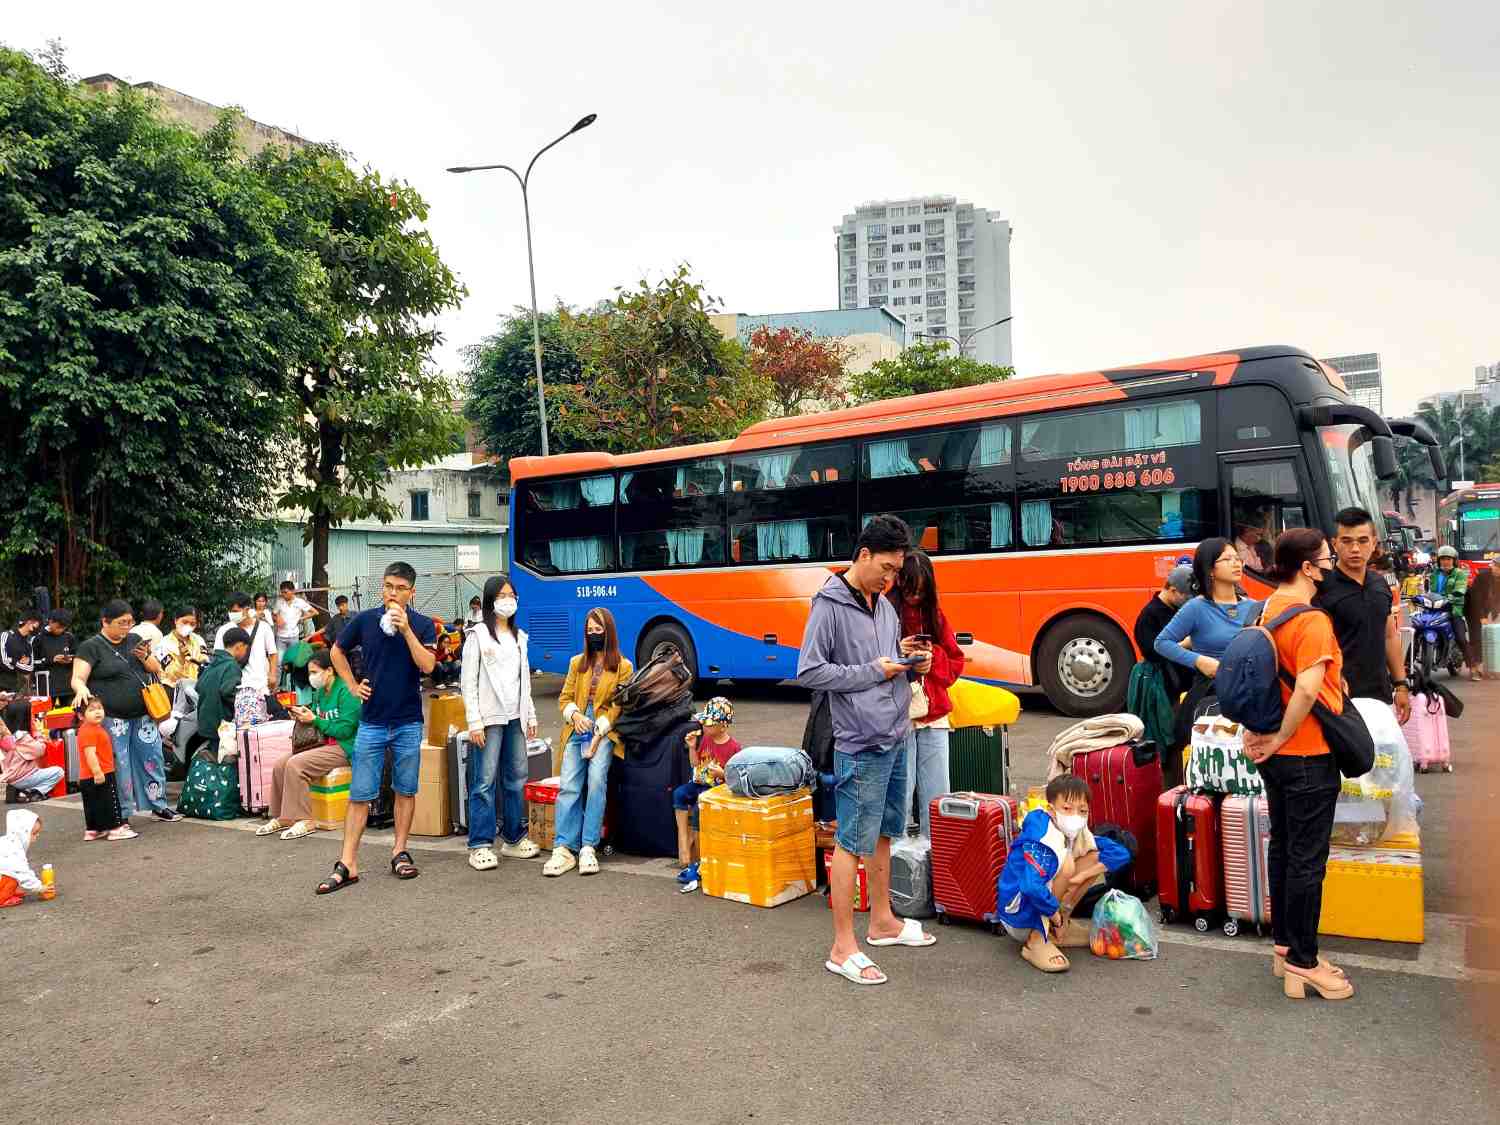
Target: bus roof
[
  {"x": 965, "y": 404},
  {"x": 1486, "y": 490}
]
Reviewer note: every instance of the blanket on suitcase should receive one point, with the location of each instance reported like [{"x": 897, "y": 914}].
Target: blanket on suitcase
[{"x": 1098, "y": 733}]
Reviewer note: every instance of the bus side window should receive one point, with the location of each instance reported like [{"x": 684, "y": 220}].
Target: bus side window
[{"x": 1265, "y": 500}]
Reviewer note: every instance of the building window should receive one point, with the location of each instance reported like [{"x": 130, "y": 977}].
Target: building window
[
  {"x": 898, "y": 266},
  {"x": 966, "y": 230},
  {"x": 500, "y": 501},
  {"x": 877, "y": 251},
  {"x": 914, "y": 265},
  {"x": 877, "y": 267},
  {"x": 935, "y": 226},
  {"x": 938, "y": 263},
  {"x": 877, "y": 302},
  {"x": 419, "y": 510},
  {"x": 966, "y": 320},
  {"x": 876, "y": 286},
  {"x": 917, "y": 318},
  {"x": 850, "y": 293},
  {"x": 896, "y": 284},
  {"x": 474, "y": 505},
  {"x": 898, "y": 300},
  {"x": 899, "y": 248},
  {"x": 875, "y": 231}
]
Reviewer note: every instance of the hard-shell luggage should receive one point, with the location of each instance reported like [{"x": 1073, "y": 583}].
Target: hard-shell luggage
[
  {"x": 57, "y": 755},
  {"x": 1190, "y": 857},
  {"x": 979, "y": 760},
  {"x": 1489, "y": 640},
  {"x": 263, "y": 747},
  {"x": 911, "y": 877},
  {"x": 73, "y": 765},
  {"x": 640, "y": 792},
  {"x": 538, "y": 759},
  {"x": 971, "y": 836},
  {"x": 1427, "y": 733},
  {"x": 60, "y": 719},
  {"x": 1245, "y": 832},
  {"x": 212, "y": 789},
  {"x": 1124, "y": 784},
  {"x": 756, "y": 850},
  {"x": 458, "y": 748}
]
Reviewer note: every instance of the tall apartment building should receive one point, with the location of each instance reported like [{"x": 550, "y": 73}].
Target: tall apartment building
[
  {"x": 1485, "y": 392},
  {"x": 941, "y": 265},
  {"x": 1361, "y": 374}
]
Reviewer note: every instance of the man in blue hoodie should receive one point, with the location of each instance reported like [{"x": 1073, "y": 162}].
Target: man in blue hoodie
[{"x": 851, "y": 649}]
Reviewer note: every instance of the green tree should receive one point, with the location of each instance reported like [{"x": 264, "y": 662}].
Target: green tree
[
  {"x": 501, "y": 378},
  {"x": 801, "y": 368},
  {"x": 363, "y": 400},
  {"x": 144, "y": 302},
  {"x": 1479, "y": 427},
  {"x": 657, "y": 372},
  {"x": 921, "y": 368}
]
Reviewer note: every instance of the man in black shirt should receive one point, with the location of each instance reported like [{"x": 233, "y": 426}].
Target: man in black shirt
[
  {"x": 16, "y": 658},
  {"x": 1153, "y": 618},
  {"x": 54, "y": 654},
  {"x": 1359, "y": 601}
]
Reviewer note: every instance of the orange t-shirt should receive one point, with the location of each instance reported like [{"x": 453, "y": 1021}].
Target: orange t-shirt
[
  {"x": 91, "y": 734},
  {"x": 1304, "y": 641}
]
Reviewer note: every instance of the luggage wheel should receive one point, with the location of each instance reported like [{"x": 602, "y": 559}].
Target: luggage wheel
[
  {"x": 942, "y": 919},
  {"x": 1231, "y": 927},
  {"x": 1200, "y": 924},
  {"x": 1166, "y": 916}
]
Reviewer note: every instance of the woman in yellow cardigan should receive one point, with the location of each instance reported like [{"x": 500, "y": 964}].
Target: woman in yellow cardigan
[{"x": 587, "y": 727}]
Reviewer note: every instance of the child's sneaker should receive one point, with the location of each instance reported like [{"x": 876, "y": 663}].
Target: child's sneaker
[
  {"x": 124, "y": 832},
  {"x": 588, "y": 861},
  {"x": 521, "y": 849},
  {"x": 688, "y": 877}
]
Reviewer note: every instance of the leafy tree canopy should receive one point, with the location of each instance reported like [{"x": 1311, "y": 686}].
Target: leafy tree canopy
[
  {"x": 501, "y": 378},
  {"x": 922, "y": 367},
  {"x": 802, "y": 369}
]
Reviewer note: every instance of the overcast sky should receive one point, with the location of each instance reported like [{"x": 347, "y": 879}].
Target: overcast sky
[{"x": 1181, "y": 177}]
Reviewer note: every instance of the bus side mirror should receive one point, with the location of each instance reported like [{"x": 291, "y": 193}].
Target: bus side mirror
[
  {"x": 1439, "y": 469},
  {"x": 1386, "y": 465}
]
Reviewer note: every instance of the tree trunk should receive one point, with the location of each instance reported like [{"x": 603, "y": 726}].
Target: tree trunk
[
  {"x": 320, "y": 528},
  {"x": 330, "y": 455}
]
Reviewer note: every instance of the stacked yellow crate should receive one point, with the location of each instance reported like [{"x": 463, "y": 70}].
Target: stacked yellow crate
[{"x": 757, "y": 850}]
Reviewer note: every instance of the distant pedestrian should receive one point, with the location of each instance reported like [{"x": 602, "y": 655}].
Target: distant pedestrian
[
  {"x": 16, "y": 652},
  {"x": 148, "y": 624},
  {"x": 1358, "y": 600},
  {"x": 1451, "y": 581},
  {"x": 1298, "y": 769},
  {"x": 182, "y": 652},
  {"x": 397, "y": 644},
  {"x": 341, "y": 617},
  {"x": 54, "y": 647},
  {"x": 290, "y": 610},
  {"x": 261, "y": 664},
  {"x": 1481, "y": 607},
  {"x": 851, "y": 649},
  {"x": 1156, "y": 683}
]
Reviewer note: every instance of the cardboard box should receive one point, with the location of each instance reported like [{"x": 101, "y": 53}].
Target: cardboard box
[
  {"x": 444, "y": 711},
  {"x": 756, "y": 850},
  {"x": 329, "y": 798},
  {"x": 433, "y": 816},
  {"x": 861, "y": 883},
  {"x": 541, "y": 823}
]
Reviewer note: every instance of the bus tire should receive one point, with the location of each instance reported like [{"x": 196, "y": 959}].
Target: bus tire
[
  {"x": 1084, "y": 665},
  {"x": 668, "y": 635}
]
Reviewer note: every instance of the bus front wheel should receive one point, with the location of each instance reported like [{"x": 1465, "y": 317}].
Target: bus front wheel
[
  {"x": 664, "y": 638},
  {"x": 1084, "y": 664}
]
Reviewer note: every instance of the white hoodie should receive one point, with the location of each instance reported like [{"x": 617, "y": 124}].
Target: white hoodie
[
  {"x": 496, "y": 690},
  {"x": 13, "y": 858}
]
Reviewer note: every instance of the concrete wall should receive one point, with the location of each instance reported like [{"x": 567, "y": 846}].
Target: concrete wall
[{"x": 199, "y": 115}]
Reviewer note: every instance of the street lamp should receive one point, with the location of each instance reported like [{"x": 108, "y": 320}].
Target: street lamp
[
  {"x": 964, "y": 343},
  {"x": 536, "y": 319}
]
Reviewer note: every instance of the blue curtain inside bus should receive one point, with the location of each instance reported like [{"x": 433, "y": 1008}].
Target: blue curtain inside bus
[
  {"x": 1036, "y": 523},
  {"x": 994, "y": 449},
  {"x": 1173, "y": 423},
  {"x": 576, "y": 555},
  {"x": 686, "y": 546},
  {"x": 786, "y": 539},
  {"x": 999, "y": 525},
  {"x": 891, "y": 459},
  {"x": 597, "y": 491},
  {"x": 772, "y": 469}
]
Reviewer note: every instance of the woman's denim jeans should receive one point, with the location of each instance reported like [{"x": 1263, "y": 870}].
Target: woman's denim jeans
[
  {"x": 585, "y": 789},
  {"x": 926, "y": 773},
  {"x": 502, "y": 761}
]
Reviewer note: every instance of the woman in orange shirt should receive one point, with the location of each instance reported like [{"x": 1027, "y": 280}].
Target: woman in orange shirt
[{"x": 1299, "y": 771}]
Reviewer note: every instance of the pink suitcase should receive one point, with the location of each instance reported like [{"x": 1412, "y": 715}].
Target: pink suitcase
[
  {"x": 262, "y": 749},
  {"x": 1427, "y": 734},
  {"x": 1245, "y": 833}
]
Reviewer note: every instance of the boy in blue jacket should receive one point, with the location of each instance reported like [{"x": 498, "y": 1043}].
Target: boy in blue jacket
[{"x": 1055, "y": 859}]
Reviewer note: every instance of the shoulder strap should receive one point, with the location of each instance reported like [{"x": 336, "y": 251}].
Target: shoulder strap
[{"x": 1285, "y": 615}]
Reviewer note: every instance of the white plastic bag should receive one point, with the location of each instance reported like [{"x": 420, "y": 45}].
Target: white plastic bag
[
  {"x": 228, "y": 747},
  {"x": 1382, "y": 803}
]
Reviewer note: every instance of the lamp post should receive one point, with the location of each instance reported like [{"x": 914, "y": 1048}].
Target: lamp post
[
  {"x": 536, "y": 320},
  {"x": 964, "y": 343}
]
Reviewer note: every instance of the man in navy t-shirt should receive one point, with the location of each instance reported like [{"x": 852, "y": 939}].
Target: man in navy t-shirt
[{"x": 396, "y": 643}]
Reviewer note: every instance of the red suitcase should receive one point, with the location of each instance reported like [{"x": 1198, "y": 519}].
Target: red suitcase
[
  {"x": 1190, "y": 857},
  {"x": 1245, "y": 830},
  {"x": 57, "y": 755},
  {"x": 1124, "y": 784},
  {"x": 971, "y": 836}
]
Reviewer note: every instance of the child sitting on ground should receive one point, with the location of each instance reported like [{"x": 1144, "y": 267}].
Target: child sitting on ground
[
  {"x": 1053, "y": 862},
  {"x": 21, "y": 754},
  {"x": 709, "y": 750},
  {"x": 22, "y": 827},
  {"x": 96, "y": 785}
]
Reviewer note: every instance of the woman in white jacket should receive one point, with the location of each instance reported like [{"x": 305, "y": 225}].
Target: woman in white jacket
[{"x": 501, "y": 717}]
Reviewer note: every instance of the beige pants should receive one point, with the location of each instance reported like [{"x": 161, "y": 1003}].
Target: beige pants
[{"x": 290, "y": 780}]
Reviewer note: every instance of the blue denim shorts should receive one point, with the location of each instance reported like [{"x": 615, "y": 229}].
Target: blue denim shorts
[
  {"x": 368, "y": 763},
  {"x": 869, "y": 791}
]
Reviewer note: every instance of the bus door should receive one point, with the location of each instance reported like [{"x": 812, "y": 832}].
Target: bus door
[{"x": 1264, "y": 493}]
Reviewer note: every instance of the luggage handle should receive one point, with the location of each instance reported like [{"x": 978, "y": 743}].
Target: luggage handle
[{"x": 956, "y": 806}]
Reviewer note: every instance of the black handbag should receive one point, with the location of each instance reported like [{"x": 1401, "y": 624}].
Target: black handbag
[{"x": 1346, "y": 734}]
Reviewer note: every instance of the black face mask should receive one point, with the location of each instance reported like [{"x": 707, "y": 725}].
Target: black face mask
[{"x": 596, "y": 642}]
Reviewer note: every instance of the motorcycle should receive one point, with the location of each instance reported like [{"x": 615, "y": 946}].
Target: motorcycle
[{"x": 1434, "y": 640}]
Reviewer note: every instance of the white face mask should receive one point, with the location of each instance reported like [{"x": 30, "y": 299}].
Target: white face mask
[
  {"x": 1071, "y": 824},
  {"x": 184, "y": 631},
  {"x": 505, "y": 608},
  {"x": 319, "y": 680}
]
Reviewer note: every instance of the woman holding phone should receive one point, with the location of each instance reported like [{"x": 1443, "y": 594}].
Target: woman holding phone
[
  {"x": 926, "y": 635},
  {"x": 116, "y": 665}
]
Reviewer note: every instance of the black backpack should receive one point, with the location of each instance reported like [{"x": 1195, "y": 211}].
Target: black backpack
[{"x": 817, "y": 735}]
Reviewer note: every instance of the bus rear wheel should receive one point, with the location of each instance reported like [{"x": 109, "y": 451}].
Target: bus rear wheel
[
  {"x": 664, "y": 638},
  {"x": 1084, "y": 664}
]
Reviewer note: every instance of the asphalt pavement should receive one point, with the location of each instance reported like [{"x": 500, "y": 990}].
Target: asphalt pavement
[{"x": 192, "y": 975}]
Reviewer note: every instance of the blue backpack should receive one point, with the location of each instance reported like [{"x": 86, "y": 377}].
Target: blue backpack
[{"x": 1248, "y": 682}]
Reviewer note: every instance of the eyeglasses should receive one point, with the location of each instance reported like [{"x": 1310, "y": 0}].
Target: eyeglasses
[
  {"x": 396, "y": 588},
  {"x": 1326, "y": 560}
]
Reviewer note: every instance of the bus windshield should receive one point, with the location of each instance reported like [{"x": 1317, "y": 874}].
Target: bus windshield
[
  {"x": 1479, "y": 528},
  {"x": 1351, "y": 471}
]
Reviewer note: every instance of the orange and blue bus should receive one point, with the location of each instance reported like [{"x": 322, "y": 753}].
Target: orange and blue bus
[
  {"x": 1052, "y": 507},
  {"x": 1468, "y": 519}
]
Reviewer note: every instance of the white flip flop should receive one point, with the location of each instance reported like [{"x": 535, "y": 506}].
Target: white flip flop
[
  {"x": 855, "y": 964},
  {"x": 911, "y": 934},
  {"x": 300, "y": 829}
]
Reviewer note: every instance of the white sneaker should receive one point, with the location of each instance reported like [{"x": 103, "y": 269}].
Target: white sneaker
[
  {"x": 521, "y": 849},
  {"x": 588, "y": 862},
  {"x": 561, "y": 863},
  {"x": 483, "y": 859}
]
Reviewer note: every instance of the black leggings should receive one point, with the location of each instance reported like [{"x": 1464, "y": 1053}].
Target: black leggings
[
  {"x": 101, "y": 803},
  {"x": 1301, "y": 793}
]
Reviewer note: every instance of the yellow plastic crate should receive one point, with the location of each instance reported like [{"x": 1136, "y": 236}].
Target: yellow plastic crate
[
  {"x": 758, "y": 872},
  {"x": 328, "y": 798},
  {"x": 757, "y": 818},
  {"x": 1373, "y": 893}
]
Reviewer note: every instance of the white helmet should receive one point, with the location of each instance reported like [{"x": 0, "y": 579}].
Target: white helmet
[{"x": 1447, "y": 552}]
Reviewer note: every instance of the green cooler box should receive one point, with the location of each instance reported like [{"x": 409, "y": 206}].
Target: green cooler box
[{"x": 979, "y": 760}]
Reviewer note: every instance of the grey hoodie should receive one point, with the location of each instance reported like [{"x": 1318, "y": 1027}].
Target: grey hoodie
[{"x": 840, "y": 648}]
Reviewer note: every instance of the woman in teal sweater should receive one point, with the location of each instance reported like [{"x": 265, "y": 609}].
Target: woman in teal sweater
[{"x": 335, "y": 715}]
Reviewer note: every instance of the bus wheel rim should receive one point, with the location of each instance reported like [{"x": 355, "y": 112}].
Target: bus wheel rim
[{"x": 1085, "y": 667}]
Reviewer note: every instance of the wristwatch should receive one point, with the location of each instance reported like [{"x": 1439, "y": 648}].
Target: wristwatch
[{"x": 1401, "y": 684}]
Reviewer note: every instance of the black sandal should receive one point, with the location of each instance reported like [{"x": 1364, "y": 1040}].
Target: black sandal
[
  {"x": 337, "y": 881},
  {"x": 403, "y": 866}
]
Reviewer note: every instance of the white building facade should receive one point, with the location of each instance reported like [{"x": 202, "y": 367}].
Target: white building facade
[{"x": 941, "y": 265}]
